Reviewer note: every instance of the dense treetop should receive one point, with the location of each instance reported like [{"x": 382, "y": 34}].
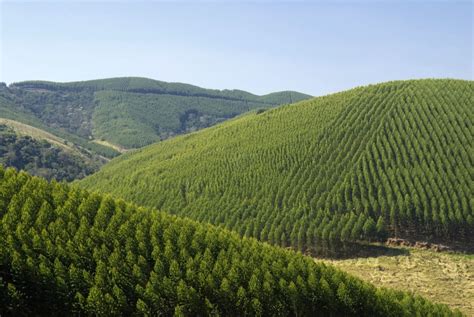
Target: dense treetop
[
  {"x": 388, "y": 159},
  {"x": 66, "y": 251},
  {"x": 129, "y": 112}
]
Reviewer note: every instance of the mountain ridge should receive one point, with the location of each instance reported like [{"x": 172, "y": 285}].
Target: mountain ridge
[
  {"x": 128, "y": 112},
  {"x": 147, "y": 85}
]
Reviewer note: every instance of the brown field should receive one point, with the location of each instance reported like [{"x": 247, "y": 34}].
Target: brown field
[{"x": 442, "y": 277}]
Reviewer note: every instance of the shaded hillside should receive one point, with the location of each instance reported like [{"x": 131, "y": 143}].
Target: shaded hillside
[
  {"x": 388, "y": 159},
  {"x": 42, "y": 157},
  {"x": 65, "y": 251},
  {"x": 129, "y": 112}
]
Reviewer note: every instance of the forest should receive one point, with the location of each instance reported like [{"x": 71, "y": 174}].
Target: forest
[
  {"x": 392, "y": 159},
  {"x": 41, "y": 158},
  {"x": 67, "y": 251},
  {"x": 129, "y": 112}
]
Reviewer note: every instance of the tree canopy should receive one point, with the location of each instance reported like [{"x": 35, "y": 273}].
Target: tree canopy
[
  {"x": 388, "y": 159},
  {"x": 64, "y": 250}
]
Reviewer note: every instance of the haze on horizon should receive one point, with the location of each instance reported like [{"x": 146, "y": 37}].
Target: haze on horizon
[{"x": 261, "y": 47}]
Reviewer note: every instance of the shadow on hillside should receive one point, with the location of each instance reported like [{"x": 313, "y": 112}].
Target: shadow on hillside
[{"x": 357, "y": 250}]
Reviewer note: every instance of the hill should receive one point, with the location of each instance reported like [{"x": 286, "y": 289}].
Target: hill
[
  {"x": 127, "y": 112},
  {"x": 65, "y": 251},
  {"x": 12, "y": 108},
  {"x": 39, "y": 153},
  {"x": 393, "y": 159}
]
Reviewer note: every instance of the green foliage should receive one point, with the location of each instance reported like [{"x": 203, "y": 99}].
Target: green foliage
[
  {"x": 135, "y": 120},
  {"x": 313, "y": 174},
  {"x": 41, "y": 158},
  {"x": 129, "y": 112},
  {"x": 10, "y": 110},
  {"x": 66, "y": 251}
]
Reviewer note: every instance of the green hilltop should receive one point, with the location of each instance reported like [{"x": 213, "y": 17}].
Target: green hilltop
[
  {"x": 127, "y": 112},
  {"x": 66, "y": 251},
  {"x": 392, "y": 159}
]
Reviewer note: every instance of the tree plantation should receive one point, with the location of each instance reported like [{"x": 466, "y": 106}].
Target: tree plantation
[
  {"x": 122, "y": 195},
  {"x": 392, "y": 159},
  {"x": 64, "y": 251}
]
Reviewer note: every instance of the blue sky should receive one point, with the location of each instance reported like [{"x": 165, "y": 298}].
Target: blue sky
[{"x": 259, "y": 46}]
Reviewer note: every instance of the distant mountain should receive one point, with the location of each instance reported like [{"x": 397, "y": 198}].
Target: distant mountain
[
  {"x": 107, "y": 116},
  {"x": 65, "y": 251},
  {"x": 393, "y": 159}
]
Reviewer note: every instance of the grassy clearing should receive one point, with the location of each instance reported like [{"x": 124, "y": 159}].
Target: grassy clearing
[{"x": 442, "y": 277}]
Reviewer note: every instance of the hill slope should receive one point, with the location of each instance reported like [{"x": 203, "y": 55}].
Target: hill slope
[
  {"x": 64, "y": 251},
  {"x": 129, "y": 112},
  {"x": 42, "y": 154},
  {"x": 393, "y": 158},
  {"x": 15, "y": 105}
]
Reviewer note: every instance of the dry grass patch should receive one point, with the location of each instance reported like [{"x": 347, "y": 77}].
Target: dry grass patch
[{"x": 442, "y": 277}]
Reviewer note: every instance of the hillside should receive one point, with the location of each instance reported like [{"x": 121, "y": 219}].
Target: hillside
[
  {"x": 39, "y": 153},
  {"x": 65, "y": 251},
  {"x": 393, "y": 159},
  {"x": 127, "y": 112},
  {"x": 12, "y": 107}
]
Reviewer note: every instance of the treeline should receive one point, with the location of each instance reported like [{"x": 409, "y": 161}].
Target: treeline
[
  {"x": 66, "y": 251},
  {"x": 41, "y": 158},
  {"x": 135, "y": 120},
  {"x": 392, "y": 159},
  {"x": 132, "y": 112},
  {"x": 146, "y": 85}
]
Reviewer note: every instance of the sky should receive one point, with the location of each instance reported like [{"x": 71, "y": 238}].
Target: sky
[{"x": 314, "y": 47}]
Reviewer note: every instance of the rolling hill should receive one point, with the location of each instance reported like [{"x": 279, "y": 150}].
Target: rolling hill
[
  {"x": 66, "y": 251},
  {"x": 127, "y": 112},
  {"x": 392, "y": 159}
]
